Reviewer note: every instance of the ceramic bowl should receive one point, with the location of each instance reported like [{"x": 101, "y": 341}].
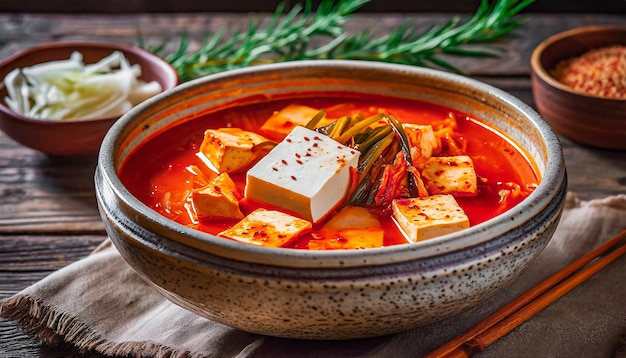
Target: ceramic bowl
[
  {"x": 588, "y": 119},
  {"x": 329, "y": 294},
  {"x": 77, "y": 136}
]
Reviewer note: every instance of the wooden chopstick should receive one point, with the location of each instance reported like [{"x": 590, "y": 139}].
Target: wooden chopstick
[{"x": 531, "y": 302}]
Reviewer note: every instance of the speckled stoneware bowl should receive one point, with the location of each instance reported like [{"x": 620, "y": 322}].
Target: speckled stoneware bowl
[{"x": 330, "y": 294}]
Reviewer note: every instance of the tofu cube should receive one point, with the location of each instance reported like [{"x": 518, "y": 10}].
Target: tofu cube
[
  {"x": 351, "y": 228},
  {"x": 352, "y": 217},
  {"x": 307, "y": 173},
  {"x": 218, "y": 200},
  {"x": 284, "y": 121},
  {"x": 428, "y": 217},
  {"x": 267, "y": 228},
  {"x": 229, "y": 150},
  {"x": 423, "y": 141},
  {"x": 450, "y": 175}
]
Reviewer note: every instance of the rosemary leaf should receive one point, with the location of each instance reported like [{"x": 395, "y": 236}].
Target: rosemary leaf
[{"x": 288, "y": 36}]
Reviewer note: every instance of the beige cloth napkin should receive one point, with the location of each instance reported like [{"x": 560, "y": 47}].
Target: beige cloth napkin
[{"x": 100, "y": 304}]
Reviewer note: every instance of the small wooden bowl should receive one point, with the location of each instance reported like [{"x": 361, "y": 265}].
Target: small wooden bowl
[
  {"x": 76, "y": 136},
  {"x": 588, "y": 119}
]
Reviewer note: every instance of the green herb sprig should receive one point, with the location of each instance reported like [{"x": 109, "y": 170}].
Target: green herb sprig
[{"x": 305, "y": 34}]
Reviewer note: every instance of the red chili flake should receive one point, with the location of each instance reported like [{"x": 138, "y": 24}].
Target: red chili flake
[
  {"x": 315, "y": 145},
  {"x": 307, "y": 139},
  {"x": 298, "y": 161},
  {"x": 284, "y": 162},
  {"x": 317, "y": 138},
  {"x": 260, "y": 234},
  {"x": 293, "y": 177},
  {"x": 275, "y": 169},
  {"x": 595, "y": 72},
  {"x": 288, "y": 140},
  {"x": 297, "y": 155},
  {"x": 307, "y": 154},
  {"x": 403, "y": 201}
]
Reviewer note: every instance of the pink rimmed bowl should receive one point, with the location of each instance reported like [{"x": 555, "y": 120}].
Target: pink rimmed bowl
[
  {"x": 78, "y": 136},
  {"x": 335, "y": 294}
]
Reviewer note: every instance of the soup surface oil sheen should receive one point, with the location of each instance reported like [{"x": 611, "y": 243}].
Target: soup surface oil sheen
[{"x": 156, "y": 172}]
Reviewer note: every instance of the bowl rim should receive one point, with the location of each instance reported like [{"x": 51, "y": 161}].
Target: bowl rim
[
  {"x": 285, "y": 257},
  {"x": 544, "y": 75},
  {"x": 170, "y": 74}
]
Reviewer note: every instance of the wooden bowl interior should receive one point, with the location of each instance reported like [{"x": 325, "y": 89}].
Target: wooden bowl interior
[
  {"x": 575, "y": 43},
  {"x": 585, "y": 118}
]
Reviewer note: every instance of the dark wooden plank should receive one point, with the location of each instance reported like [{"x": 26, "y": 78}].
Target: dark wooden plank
[
  {"x": 29, "y": 256},
  {"x": 46, "y": 194},
  {"x": 117, "y": 6},
  {"x": 23, "y": 30},
  {"x": 13, "y": 343},
  {"x": 25, "y": 260}
]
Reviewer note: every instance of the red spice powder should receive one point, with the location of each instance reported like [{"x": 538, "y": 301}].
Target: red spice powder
[{"x": 600, "y": 72}]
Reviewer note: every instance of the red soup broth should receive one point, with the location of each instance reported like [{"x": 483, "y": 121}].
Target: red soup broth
[{"x": 156, "y": 170}]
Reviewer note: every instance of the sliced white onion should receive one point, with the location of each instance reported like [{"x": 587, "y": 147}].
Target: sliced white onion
[{"x": 67, "y": 89}]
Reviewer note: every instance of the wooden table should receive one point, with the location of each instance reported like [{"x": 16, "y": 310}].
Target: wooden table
[{"x": 48, "y": 213}]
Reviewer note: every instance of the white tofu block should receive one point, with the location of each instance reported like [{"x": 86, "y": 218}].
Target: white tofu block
[
  {"x": 428, "y": 217},
  {"x": 422, "y": 138},
  {"x": 267, "y": 228},
  {"x": 218, "y": 200},
  {"x": 450, "y": 175},
  {"x": 228, "y": 150},
  {"x": 307, "y": 173},
  {"x": 284, "y": 121}
]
